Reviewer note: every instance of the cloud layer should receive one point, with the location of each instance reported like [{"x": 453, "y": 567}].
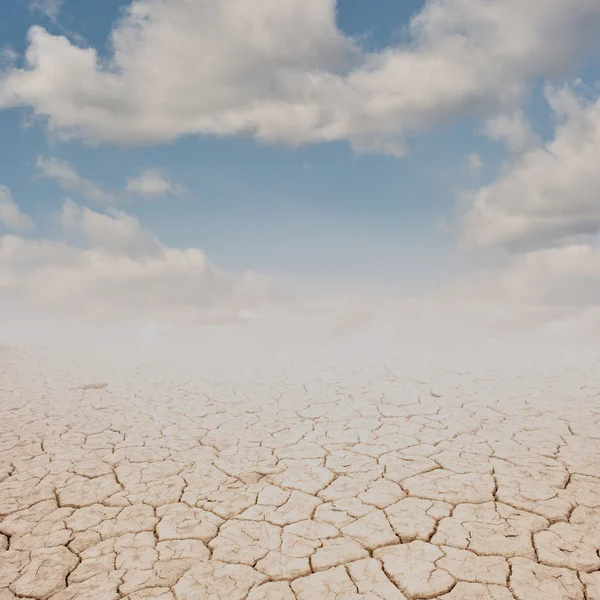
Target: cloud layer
[
  {"x": 548, "y": 196},
  {"x": 283, "y": 72},
  {"x": 110, "y": 267}
]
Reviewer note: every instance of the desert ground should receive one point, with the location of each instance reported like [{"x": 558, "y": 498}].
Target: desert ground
[{"x": 307, "y": 477}]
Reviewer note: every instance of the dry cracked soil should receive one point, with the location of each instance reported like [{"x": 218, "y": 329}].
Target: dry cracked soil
[{"x": 298, "y": 478}]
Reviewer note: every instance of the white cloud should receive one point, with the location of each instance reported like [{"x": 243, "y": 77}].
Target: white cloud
[
  {"x": 117, "y": 233},
  {"x": 151, "y": 183},
  {"x": 567, "y": 277},
  {"x": 540, "y": 221},
  {"x": 69, "y": 180},
  {"x": 541, "y": 289},
  {"x": 8, "y": 57},
  {"x": 550, "y": 195},
  {"x": 283, "y": 72},
  {"x": 11, "y": 215},
  {"x": 513, "y": 129},
  {"x": 116, "y": 271},
  {"x": 121, "y": 270},
  {"x": 50, "y": 8}
]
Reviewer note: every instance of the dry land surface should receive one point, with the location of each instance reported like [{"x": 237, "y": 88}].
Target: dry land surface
[{"x": 298, "y": 478}]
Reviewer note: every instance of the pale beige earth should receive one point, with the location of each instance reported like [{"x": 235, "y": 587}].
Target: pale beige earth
[{"x": 298, "y": 477}]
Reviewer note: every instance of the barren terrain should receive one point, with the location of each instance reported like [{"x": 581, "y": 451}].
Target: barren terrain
[{"x": 307, "y": 478}]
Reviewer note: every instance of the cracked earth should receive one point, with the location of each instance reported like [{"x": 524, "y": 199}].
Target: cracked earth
[{"x": 298, "y": 479}]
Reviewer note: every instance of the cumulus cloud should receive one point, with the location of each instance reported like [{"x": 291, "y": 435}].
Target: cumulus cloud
[
  {"x": 283, "y": 72},
  {"x": 550, "y": 195},
  {"x": 69, "y": 180},
  {"x": 151, "y": 183},
  {"x": 11, "y": 216},
  {"x": 537, "y": 224},
  {"x": 120, "y": 269}
]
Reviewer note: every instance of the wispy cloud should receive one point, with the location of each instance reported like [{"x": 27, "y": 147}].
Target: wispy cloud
[
  {"x": 49, "y": 8},
  {"x": 11, "y": 216},
  {"x": 151, "y": 183},
  {"x": 514, "y": 130},
  {"x": 69, "y": 180}
]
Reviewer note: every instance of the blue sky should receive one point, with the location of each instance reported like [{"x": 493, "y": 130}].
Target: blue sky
[{"x": 272, "y": 201}]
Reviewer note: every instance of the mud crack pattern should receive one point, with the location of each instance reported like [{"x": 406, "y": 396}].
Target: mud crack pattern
[{"x": 301, "y": 478}]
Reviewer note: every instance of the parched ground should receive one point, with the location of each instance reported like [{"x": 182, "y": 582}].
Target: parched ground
[{"x": 298, "y": 478}]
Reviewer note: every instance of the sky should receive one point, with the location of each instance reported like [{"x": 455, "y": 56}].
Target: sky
[{"x": 209, "y": 162}]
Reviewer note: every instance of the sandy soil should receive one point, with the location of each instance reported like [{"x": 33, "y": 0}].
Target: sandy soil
[{"x": 298, "y": 477}]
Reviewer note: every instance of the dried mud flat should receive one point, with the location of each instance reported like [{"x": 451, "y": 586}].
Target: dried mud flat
[{"x": 306, "y": 479}]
